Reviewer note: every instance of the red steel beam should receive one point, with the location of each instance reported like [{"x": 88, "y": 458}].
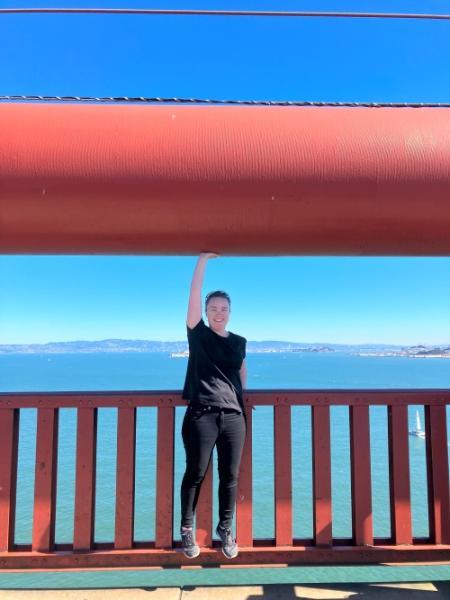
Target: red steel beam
[{"x": 252, "y": 180}]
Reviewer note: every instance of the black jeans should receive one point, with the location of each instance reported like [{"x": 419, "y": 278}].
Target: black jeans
[{"x": 202, "y": 429}]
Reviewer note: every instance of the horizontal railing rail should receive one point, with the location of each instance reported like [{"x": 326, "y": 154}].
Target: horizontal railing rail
[{"x": 284, "y": 547}]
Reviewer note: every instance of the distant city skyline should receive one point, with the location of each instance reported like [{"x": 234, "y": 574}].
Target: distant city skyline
[
  {"x": 267, "y": 342},
  {"x": 180, "y": 348}
]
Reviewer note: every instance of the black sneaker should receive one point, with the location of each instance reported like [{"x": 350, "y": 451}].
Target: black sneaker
[
  {"x": 229, "y": 546},
  {"x": 190, "y": 548}
]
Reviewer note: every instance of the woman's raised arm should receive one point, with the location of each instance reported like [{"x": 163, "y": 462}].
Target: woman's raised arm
[{"x": 195, "y": 297}]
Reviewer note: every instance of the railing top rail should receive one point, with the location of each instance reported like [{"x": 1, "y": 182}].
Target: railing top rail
[{"x": 264, "y": 397}]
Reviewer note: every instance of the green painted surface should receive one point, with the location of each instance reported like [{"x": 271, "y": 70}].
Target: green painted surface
[{"x": 229, "y": 576}]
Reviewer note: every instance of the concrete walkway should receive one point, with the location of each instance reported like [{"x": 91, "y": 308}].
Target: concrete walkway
[{"x": 383, "y": 591}]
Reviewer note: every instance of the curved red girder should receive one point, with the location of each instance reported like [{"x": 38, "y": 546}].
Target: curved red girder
[{"x": 239, "y": 180}]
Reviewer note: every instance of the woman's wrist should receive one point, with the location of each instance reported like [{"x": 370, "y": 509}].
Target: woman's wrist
[{"x": 204, "y": 256}]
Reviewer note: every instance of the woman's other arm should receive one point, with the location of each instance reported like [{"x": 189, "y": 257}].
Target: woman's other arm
[
  {"x": 195, "y": 297},
  {"x": 243, "y": 374}
]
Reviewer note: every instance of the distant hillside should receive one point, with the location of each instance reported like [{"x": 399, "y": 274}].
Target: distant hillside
[{"x": 118, "y": 345}]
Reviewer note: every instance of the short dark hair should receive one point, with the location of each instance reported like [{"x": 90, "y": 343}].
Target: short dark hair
[{"x": 217, "y": 294}]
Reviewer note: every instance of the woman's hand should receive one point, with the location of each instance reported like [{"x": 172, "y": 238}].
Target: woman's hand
[{"x": 207, "y": 255}]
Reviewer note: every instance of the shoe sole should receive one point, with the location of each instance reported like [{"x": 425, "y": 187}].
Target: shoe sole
[
  {"x": 195, "y": 555},
  {"x": 229, "y": 557}
]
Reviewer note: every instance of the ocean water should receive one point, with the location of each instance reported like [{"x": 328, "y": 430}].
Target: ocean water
[{"x": 149, "y": 371}]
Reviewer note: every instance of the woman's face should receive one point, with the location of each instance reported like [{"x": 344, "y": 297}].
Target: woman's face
[{"x": 218, "y": 313}]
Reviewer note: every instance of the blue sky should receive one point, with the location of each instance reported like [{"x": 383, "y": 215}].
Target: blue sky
[
  {"x": 307, "y": 299},
  {"x": 311, "y": 299}
]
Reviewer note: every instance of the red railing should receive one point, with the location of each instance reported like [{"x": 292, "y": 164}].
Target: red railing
[{"x": 125, "y": 552}]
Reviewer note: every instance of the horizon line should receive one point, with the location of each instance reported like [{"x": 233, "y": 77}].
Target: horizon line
[{"x": 248, "y": 341}]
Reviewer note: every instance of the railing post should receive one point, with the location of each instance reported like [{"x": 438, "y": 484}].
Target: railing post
[
  {"x": 9, "y": 442},
  {"x": 84, "y": 514},
  {"x": 244, "y": 504},
  {"x": 164, "y": 477},
  {"x": 360, "y": 474},
  {"x": 437, "y": 467},
  {"x": 283, "y": 475},
  {"x": 281, "y": 550},
  {"x": 45, "y": 480},
  {"x": 126, "y": 454},
  {"x": 321, "y": 476},
  {"x": 400, "y": 493}
]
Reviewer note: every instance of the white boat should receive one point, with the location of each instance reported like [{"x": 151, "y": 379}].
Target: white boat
[{"x": 418, "y": 431}]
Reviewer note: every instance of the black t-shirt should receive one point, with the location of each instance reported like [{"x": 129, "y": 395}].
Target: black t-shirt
[{"x": 212, "y": 376}]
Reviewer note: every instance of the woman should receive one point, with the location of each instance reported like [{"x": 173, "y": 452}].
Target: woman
[{"x": 215, "y": 379}]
